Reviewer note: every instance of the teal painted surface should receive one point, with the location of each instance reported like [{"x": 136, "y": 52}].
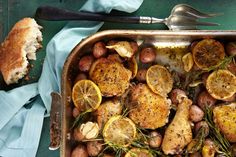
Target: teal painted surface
[{"x": 13, "y": 10}]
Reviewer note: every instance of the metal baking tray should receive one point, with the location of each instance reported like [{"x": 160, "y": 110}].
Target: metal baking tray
[{"x": 158, "y": 38}]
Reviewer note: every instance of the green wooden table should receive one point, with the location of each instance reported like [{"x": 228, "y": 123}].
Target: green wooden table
[{"x": 13, "y": 10}]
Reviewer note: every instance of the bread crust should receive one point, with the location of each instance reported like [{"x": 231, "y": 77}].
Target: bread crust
[{"x": 13, "y": 53}]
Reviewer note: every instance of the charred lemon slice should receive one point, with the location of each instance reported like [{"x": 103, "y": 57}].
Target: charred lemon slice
[
  {"x": 159, "y": 80},
  {"x": 119, "y": 131},
  {"x": 86, "y": 95},
  {"x": 221, "y": 84},
  {"x": 133, "y": 67},
  {"x": 187, "y": 60},
  {"x": 208, "y": 53},
  {"x": 138, "y": 152}
]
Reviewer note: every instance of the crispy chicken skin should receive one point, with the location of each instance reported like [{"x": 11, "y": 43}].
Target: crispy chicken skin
[
  {"x": 111, "y": 77},
  {"x": 178, "y": 134},
  {"x": 106, "y": 110},
  {"x": 225, "y": 118},
  {"x": 147, "y": 109}
]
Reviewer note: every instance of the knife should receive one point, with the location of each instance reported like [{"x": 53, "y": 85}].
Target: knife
[{"x": 55, "y": 121}]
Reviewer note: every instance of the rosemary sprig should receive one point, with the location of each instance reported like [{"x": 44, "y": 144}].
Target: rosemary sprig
[
  {"x": 119, "y": 150},
  {"x": 222, "y": 65},
  {"x": 78, "y": 120},
  {"x": 221, "y": 142},
  {"x": 197, "y": 142},
  {"x": 155, "y": 152}
]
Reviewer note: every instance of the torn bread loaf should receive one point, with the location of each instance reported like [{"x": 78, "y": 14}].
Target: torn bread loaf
[{"x": 20, "y": 44}]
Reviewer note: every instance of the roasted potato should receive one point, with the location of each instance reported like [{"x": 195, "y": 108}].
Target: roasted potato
[
  {"x": 201, "y": 124},
  {"x": 80, "y": 76},
  {"x": 94, "y": 148},
  {"x": 147, "y": 55},
  {"x": 196, "y": 114},
  {"x": 79, "y": 151},
  {"x": 85, "y": 63},
  {"x": 155, "y": 139},
  {"x": 177, "y": 96},
  {"x": 99, "y": 49},
  {"x": 205, "y": 100}
]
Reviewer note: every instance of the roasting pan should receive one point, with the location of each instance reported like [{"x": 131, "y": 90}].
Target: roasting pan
[{"x": 158, "y": 38}]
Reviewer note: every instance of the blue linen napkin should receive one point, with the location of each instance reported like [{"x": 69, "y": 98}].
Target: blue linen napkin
[{"x": 23, "y": 109}]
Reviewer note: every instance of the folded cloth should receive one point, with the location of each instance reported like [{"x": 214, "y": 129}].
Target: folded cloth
[{"x": 23, "y": 109}]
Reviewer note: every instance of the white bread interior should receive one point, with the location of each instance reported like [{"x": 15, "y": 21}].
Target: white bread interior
[{"x": 21, "y": 44}]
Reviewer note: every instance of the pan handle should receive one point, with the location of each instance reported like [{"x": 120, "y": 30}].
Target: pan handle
[{"x": 55, "y": 121}]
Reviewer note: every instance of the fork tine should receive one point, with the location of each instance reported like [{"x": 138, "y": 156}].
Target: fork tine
[
  {"x": 187, "y": 10},
  {"x": 204, "y": 15},
  {"x": 199, "y": 23}
]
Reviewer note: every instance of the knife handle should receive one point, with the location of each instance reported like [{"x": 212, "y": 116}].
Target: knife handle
[
  {"x": 55, "y": 121},
  {"x": 57, "y": 14}
]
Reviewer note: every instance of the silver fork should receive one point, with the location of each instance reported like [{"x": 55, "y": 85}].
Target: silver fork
[{"x": 182, "y": 17}]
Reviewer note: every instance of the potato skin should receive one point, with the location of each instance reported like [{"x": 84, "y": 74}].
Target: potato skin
[
  {"x": 155, "y": 139},
  {"x": 85, "y": 63},
  {"x": 232, "y": 67},
  {"x": 231, "y": 48},
  {"x": 147, "y": 55},
  {"x": 75, "y": 112},
  {"x": 193, "y": 44},
  {"x": 79, "y": 151},
  {"x": 176, "y": 96},
  {"x": 94, "y": 148},
  {"x": 205, "y": 100},
  {"x": 99, "y": 49},
  {"x": 197, "y": 154},
  {"x": 200, "y": 124},
  {"x": 195, "y": 113},
  {"x": 80, "y": 76},
  {"x": 78, "y": 136}
]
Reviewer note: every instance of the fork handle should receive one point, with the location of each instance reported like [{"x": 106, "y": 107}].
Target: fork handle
[{"x": 57, "y": 14}]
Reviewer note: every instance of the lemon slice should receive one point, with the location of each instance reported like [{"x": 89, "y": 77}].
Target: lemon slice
[
  {"x": 159, "y": 80},
  {"x": 208, "y": 53},
  {"x": 221, "y": 84},
  {"x": 133, "y": 67},
  {"x": 119, "y": 131},
  {"x": 138, "y": 152},
  {"x": 86, "y": 95},
  {"x": 187, "y": 61}
]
